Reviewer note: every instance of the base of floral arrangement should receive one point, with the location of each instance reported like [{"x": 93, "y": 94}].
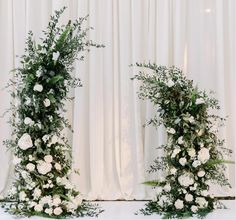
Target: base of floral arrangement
[{"x": 86, "y": 209}]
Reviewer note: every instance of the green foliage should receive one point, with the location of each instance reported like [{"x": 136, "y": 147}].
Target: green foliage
[{"x": 42, "y": 154}]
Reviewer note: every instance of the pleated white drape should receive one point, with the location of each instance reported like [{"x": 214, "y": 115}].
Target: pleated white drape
[{"x": 110, "y": 146}]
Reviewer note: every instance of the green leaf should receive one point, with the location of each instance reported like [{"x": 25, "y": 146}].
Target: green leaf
[
  {"x": 151, "y": 183},
  {"x": 63, "y": 36},
  {"x": 55, "y": 79},
  {"x": 51, "y": 98}
]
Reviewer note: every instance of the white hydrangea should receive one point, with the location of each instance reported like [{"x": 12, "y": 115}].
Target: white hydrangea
[
  {"x": 38, "y": 87},
  {"x": 201, "y": 201},
  {"x": 186, "y": 180},
  {"x": 194, "y": 208},
  {"x": 203, "y": 155},
  {"x": 179, "y": 204},
  {"x": 182, "y": 161},
  {"x": 191, "y": 152},
  {"x": 48, "y": 158},
  {"x": 46, "y": 102},
  {"x": 30, "y": 167},
  {"x": 171, "y": 130},
  {"x": 44, "y": 167},
  {"x": 25, "y": 142}
]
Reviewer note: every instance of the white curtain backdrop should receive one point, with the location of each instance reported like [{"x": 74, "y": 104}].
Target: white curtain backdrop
[{"x": 110, "y": 146}]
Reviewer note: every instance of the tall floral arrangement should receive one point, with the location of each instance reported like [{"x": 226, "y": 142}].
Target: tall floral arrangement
[
  {"x": 42, "y": 154},
  {"x": 194, "y": 153}
]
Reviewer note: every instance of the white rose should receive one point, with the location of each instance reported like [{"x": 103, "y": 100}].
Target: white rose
[
  {"x": 191, "y": 152},
  {"x": 199, "y": 101},
  {"x": 57, "y": 166},
  {"x": 38, "y": 208},
  {"x": 25, "y": 142},
  {"x": 182, "y": 161},
  {"x": 196, "y": 163},
  {"x": 55, "y": 56},
  {"x": 173, "y": 171},
  {"x": 30, "y": 167},
  {"x": 167, "y": 187},
  {"x": 171, "y": 130},
  {"x": 38, "y": 87},
  {"x": 194, "y": 208},
  {"x": 170, "y": 83},
  {"x": 205, "y": 193},
  {"x": 186, "y": 180},
  {"x": 201, "y": 173},
  {"x": 179, "y": 204},
  {"x": 57, "y": 211},
  {"x": 46, "y": 103},
  {"x": 28, "y": 121},
  {"x": 78, "y": 200},
  {"x": 180, "y": 140},
  {"x": 48, "y": 211},
  {"x": 203, "y": 155},
  {"x": 22, "y": 196},
  {"x": 188, "y": 197},
  {"x": 48, "y": 158},
  {"x": 44, "y": 167}
]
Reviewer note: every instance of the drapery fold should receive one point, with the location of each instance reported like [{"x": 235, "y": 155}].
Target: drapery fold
[{"x": 111, "y": 147}]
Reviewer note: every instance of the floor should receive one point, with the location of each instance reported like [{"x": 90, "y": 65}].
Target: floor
[{"x": 124, "y": 210}]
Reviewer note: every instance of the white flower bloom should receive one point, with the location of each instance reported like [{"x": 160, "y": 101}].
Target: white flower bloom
[
  {"x": 171, "y": 130},
  {"x": 38, "y": 87},
  {"x": 78, "y": 200},
  {"x": 196, "y": 163},
  {"x": 200, "y": 132},
  {"x": 173, "y": 170},
  {"x": 25, "y": 142},
  {"x": 182, "y": 161},
  {"x": 57, "y": 166},
  {"x": 158, "y": 190},
  {"x": 201, "y": 202},
  {"x": 16, "y": 160},
  {"x": 162, "y": 200},
  {"x": 179, "y": 204},
  {"x": 28, "y": 101},
  {"x": 205, "y": 193},
  {"x": 46, "y": 103},
  {"x": 28, "y": 121},
  {"x": 55, "y": 56},
  {"x": 191, "y": 152},
  {"x": 30, "y": 167},
  {"x": 186, "y": 180},
  {"x": 188, "y": 197},
  {"x": 37, "y": 193},
  {"x": 39, "y": 73},
  {"x": 46, "y": 200},
  {"x": 56, "y": 200},
  {"x": 199, "y": 101},
  {"x": 170, "y": 83},
  {"x": 203, "y": 155},
  {"x": 180, "y": 140},
  {"x": 22, "y": 196},
  {"x": 167, "y": 188},
  {"x": 191, "y": 119},
  {"x": 45, "y": 138},
  {"x": 31, "y": 158},
  {"x": 48, "y": 158},
  {"x": 44, "y": 167},
  {"x": 201, "y": 173},
  {"x": 175, "y": 152},
  {"x": 38, "y": 208},
  {"x": 48, "y": 211},
  {"x": 57, "y": 211},
  {"x": 194, "y": 208}
]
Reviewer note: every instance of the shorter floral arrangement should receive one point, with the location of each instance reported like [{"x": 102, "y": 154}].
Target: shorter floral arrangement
[
  {"x": 194, "y": 153},
  {"x": 42, "y": 154}
]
